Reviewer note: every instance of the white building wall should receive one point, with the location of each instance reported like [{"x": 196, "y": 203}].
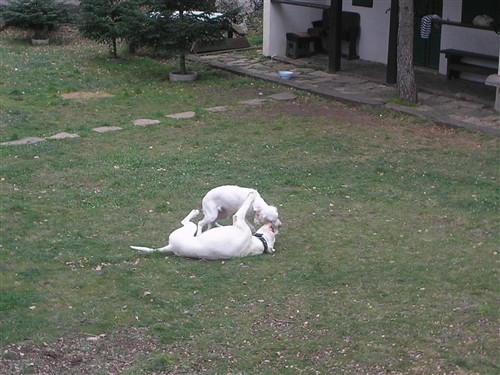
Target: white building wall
[
  {"x": 280, "y": 19},
  {"x": 374, "y": 39},
  {"x": 374, "y": 22}
]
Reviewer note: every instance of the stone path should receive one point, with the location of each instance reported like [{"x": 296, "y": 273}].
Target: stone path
[
  {"x": 361, "y": 86},
  {"x": 148, "y": 122},
  {"x": 105, "y": 129},
  {"x": 24, "y": 141},
  {"x": 342, "y": 86},
  {"x": 182, "y": 115}
]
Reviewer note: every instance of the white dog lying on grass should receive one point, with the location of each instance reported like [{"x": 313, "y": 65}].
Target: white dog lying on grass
[
  {"x": 223, "y": 201},
  {"x": 223, "y": 242}
]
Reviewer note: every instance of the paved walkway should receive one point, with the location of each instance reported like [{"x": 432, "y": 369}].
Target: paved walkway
[{"x": 456, "y": 103}]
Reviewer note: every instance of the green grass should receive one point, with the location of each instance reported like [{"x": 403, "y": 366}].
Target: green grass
[{"x": 387, "y": 260}]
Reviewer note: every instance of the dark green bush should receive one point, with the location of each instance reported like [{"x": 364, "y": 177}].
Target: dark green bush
[{"x": 39, "y": 16}]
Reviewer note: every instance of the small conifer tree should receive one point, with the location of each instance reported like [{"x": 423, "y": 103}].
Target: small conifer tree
[
  {"x": 108, "y": 21},
  {"x": 39, "y": 16},
  {"x": 179, "y": 24}
]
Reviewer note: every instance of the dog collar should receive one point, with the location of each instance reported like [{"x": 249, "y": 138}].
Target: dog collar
[{"x": 260, "y": 236}]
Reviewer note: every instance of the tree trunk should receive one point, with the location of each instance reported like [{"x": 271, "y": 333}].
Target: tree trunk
[
  {"x": 114, "y": 51},
  {"x": 182, "y": 62},
  {"x": 407, "y": 86},
  {"x": 182, "y": 53},
  {"x": 132, "y": 48}
]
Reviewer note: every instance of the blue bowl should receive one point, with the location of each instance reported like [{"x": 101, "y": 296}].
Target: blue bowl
[{"x": 285, "y": 74}]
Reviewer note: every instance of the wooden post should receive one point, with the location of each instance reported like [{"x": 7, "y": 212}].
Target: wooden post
[
  {"x": 392, "y": 54},
  {"x": 334, "y": 31}
]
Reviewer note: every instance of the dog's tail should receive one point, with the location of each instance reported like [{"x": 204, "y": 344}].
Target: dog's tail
[{"x": 141, "y": 249}]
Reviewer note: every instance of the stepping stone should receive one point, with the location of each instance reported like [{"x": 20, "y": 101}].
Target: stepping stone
[
  {"x": 105, "y": 129},
  {"x": 146, "y": 122},
  {"x": 182, "y": 115},
  {"x": 283, "y": 96},
  {"x": 63, "y": 135},
  {"x": 24, "y": 141},
  {"x": 254, "y": 102},
  {"x": 217, "y": 109}
]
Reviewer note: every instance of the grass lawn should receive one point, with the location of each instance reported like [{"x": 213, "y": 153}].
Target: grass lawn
[{"x": 387, "y": 261}]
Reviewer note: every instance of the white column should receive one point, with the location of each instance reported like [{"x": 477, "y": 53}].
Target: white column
[
  {"x": 266, "y": 28},
  {"x": 494, "y": 80}
]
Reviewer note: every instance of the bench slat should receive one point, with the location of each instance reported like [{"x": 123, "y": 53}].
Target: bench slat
[
  {"x": 456, "y": 52},
  {"x": 469, "y": 68}
]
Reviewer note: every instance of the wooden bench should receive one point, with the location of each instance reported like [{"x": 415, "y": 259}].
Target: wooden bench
[
  {"x": 349, "y": 32},
  {"x": 456, "y": 65},
  {"x": 298, "y": 45}
]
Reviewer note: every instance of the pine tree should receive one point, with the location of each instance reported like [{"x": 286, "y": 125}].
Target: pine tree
[
  {"x": 40, "y": 16},
  {"x": 108, "y": 21},
  {"x": 179, "y": 24}
]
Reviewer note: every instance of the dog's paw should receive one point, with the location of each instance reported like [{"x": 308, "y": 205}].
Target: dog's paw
[{"x": 195, "y": 213}]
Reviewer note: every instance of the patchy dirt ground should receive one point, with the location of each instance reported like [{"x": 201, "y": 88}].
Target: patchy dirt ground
[
  {"x": 337, "y": 112},
  {"x": 369, "y": 119},
  {"x": 86, "y": 95},
  {"x": 79, "y": 354}
]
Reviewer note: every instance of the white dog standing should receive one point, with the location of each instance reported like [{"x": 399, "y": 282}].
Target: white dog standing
[
  {"x": 223, "y": 242},
  {"x": 223, "y": 201}
]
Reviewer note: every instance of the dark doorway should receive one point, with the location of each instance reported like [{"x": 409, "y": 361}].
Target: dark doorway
[{"x": 426, "y": 51}]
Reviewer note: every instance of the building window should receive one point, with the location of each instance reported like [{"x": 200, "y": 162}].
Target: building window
[
  {"x": 363, "y": 3},
  {"x": 473, "y": 8}
]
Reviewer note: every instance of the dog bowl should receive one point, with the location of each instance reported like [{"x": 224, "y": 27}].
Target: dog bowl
[{"x": 285, "y": 74}]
